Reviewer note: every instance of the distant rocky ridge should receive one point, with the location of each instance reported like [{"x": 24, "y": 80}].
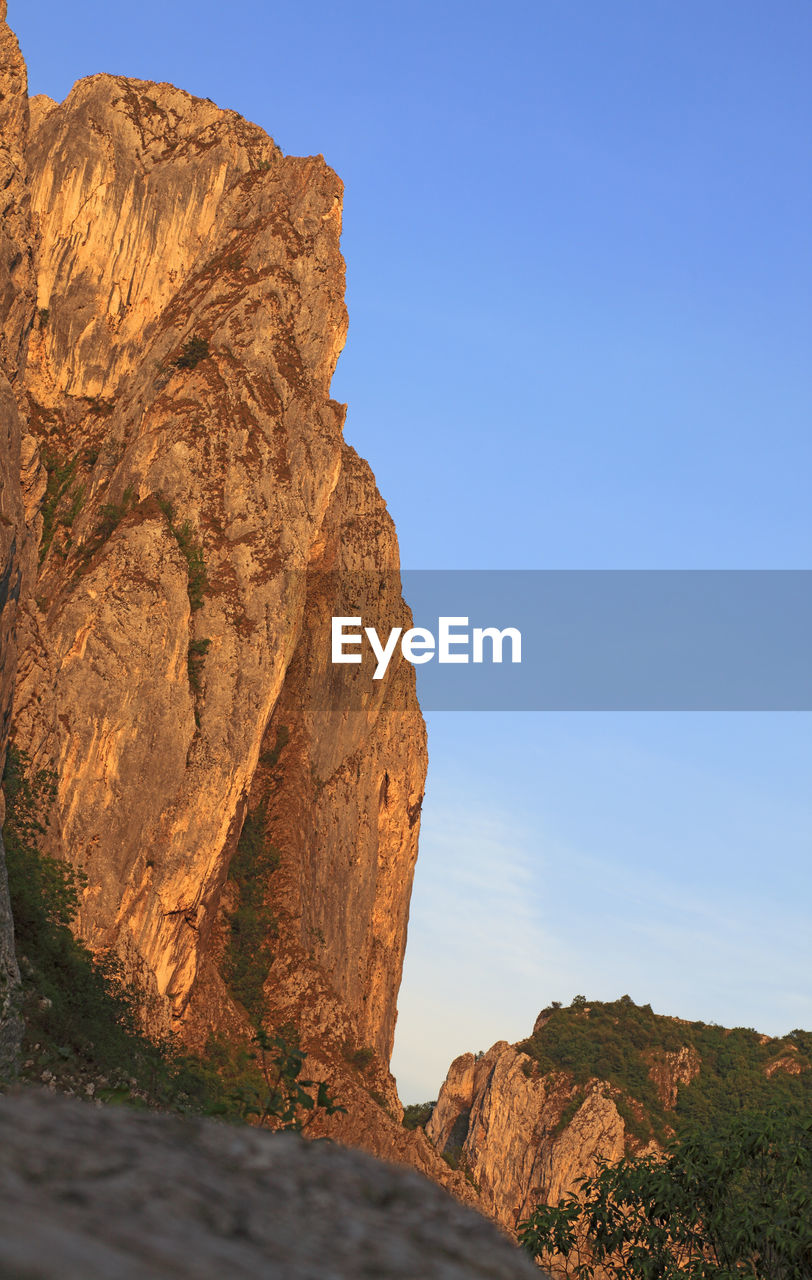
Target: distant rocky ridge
[{"x": 596, "y": 1082}]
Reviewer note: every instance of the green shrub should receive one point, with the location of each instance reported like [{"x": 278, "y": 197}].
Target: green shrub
[
  {"x": 195, "y": 565},
  {"x": 197, "y": 652},
  {"x": 360, "y": 1058},
  {"x": 192, "y": 352},
  {"x": 269, "y": 759},
  {"x": 77, "y": 497},
  {"x": 110, "y": 516},
  {"x": 197, "y": 580},
  {"x": 60, "y": 474},
  {"x": 417, "y": 1114},
  {"x": 252, "y": 924},
  {"x": 568, "y": 1114},
  {"x": 284, "y": 1100}
]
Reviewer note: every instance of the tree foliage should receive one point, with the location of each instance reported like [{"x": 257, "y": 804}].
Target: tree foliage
[
  {"x": 618, "y": 1041},
  {"x": 725, "y": 1203},
  {"x": 283, "y": 1100},
  {"x": 417, "y": 1114}
]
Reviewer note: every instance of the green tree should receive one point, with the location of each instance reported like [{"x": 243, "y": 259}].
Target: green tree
[
  {"x": 724, "y": 1204},
  {"x": 283, "y": 1100}
]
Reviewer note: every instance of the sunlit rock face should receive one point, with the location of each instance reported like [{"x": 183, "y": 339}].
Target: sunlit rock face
[
  {"x": 17, "y": 292},
  {"x": 192, "y": 513},
  {"x": 527, "y": 1136},
  {"x": 190, "y": 296},
  {"x": 504, "y": 1123}
]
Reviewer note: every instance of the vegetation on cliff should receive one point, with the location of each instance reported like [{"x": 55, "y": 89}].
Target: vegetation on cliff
[
  {"x": 83, "y": 1029},
  {"x": 81, "y": 1018},
  {"x": 731, "y": 1194},
  {"x": 417, "y": 1114},
  {"x": 252, "y": 924},
  {"x": 731, "y": 1200},
  {"x": 621, "y": 1042}
]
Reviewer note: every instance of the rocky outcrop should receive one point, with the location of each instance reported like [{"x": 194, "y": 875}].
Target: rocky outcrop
[
  {"x": 511, "y": 1130},
  {"x": 597, "y": 1082},
  {"x": 86, "y": 1194},
  {"x": 669, "y": 1069},
  {"x": 200, "y": 502},
  {"x": 16, "y": 314}
]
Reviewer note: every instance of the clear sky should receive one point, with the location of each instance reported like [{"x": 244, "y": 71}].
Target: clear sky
[{"x": 579, "y": 280}]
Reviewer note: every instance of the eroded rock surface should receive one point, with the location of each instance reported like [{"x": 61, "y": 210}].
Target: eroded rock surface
[
  {"x": 198, "y": 517},
  {"x": 89, "y": 1193},
  {"x": 508, "y": 1128},
  {"x": 16, "y": 315},
  {"x": 671, "y": 1068},
  {"x": 191, "y": 312}
]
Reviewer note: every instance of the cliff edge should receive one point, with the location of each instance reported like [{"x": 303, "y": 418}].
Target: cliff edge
[
  {"x": 187, "y": 476},
  {"x": 17, "y": 294}
]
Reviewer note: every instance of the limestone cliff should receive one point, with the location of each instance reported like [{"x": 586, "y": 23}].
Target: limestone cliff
[
  {"x": 192, "y": 470},
  {"x": 194, "y": 517},
  {"x": 16, "y": 315},
  {"x": 187, "y": 482},
  {"x": 509, "y": 1129},
  {"x": 598, "y": 1081}
]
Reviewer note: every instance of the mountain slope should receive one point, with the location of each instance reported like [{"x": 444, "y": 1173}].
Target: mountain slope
[{"x": 596, "y": 1081}]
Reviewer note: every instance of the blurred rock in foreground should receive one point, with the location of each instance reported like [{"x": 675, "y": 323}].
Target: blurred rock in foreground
[{"x": 88, "y": 1193}]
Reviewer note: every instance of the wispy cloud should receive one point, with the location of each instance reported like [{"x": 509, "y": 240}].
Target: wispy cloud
[
  {"x": 505, "y": 917},
  {"x": 479, "y": 958}
]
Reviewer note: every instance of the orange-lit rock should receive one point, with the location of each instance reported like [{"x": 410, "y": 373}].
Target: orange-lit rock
[{"x": 16, "y": 552}]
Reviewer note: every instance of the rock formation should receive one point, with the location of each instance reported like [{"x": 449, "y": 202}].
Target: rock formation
[
  {"x": 192, "y": 477},
  {"x": 195, "y": 518},
  {"x": 509, "y": 1128},
  {"x": 16, "y": 315},
  {"x": 597, "y": 1082}
]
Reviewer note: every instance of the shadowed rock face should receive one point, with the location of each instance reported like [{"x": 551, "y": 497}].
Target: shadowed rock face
[
  {"x": 87, "y": 1193},
  {"x": 191, "y": 312},
  {"x": 16, "y": 314}
]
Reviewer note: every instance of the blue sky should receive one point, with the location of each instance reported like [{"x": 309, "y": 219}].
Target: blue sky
[{"x": 579, "y": 272}]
